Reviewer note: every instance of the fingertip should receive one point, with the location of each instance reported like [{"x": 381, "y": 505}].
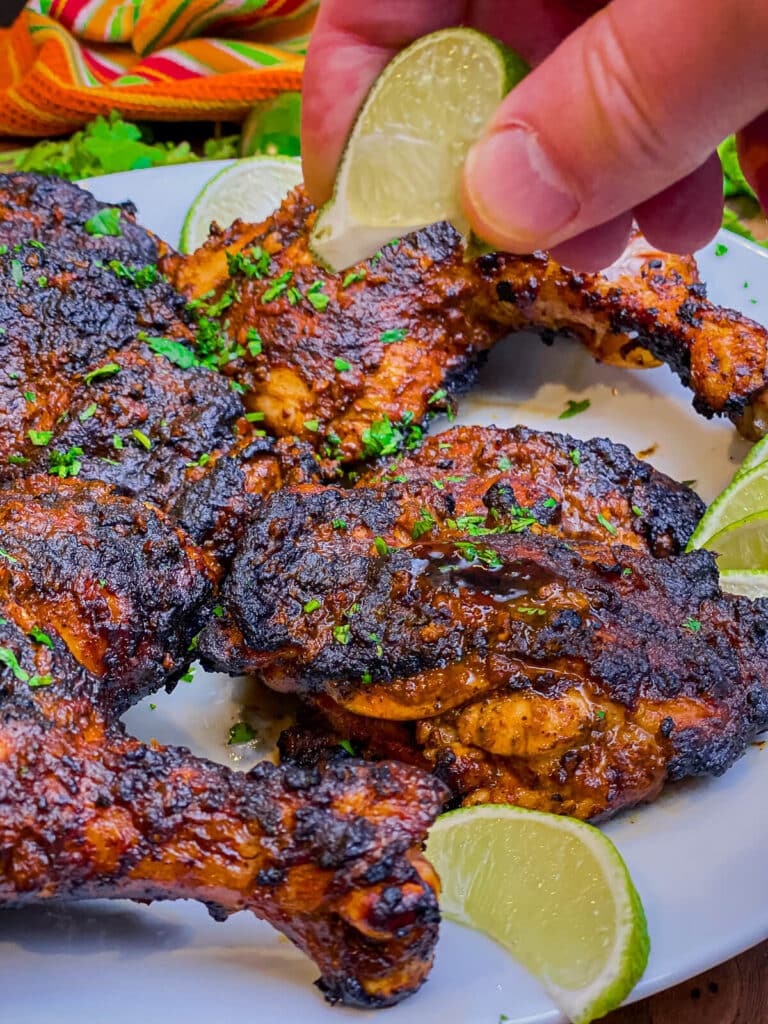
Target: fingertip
[
  {"x": 687, "y": 215},
  {"x": 598, "y": 248}
]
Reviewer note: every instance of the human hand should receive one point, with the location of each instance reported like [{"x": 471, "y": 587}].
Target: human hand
[{"x": 620, "y": 117}]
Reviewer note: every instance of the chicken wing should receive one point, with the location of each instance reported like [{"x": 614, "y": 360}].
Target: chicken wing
[
  {"x": 333, "y": 860},
  {"x": 395, "y": 339}
]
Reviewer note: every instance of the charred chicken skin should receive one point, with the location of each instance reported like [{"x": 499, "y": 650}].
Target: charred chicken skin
[
  {"x": 100, "y": 599},
  {"x": 541, "y": 655},
  {"x": 402, "y": 334}
]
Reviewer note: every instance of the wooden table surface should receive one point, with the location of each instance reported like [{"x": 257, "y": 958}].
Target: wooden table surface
[{"x": 734, "y": 993}]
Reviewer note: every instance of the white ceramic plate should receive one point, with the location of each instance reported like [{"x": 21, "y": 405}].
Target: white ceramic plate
[{"x": 698, "y": 855}]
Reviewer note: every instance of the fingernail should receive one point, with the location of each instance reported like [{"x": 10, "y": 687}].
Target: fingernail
[{"x": 516, "y": 192}]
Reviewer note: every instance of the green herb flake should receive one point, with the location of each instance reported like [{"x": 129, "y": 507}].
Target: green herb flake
[
  {"x": 8, "y": 557},
  {"x": 253, "y": 264},
  {"x": 117, "y": 442},
  {"x": 30, "y": 397},
  {"x": 638, "y": 511},
  {"x": 504, "y": 464},
  {"x": 575, "y": 456},
  {"x": 692, "y": 624},
  {"x": 573, "y": 408},
  {"x": 720, "y": 249},
  {"x": 316, "y": 297},
  {"x": 65, "y": 464},
  {"x": 346, "y": 745},
  {"x": 381, "y": 546},
  {"x": 253, "y": 341},
  {"x": 312, "y": 425},
  {"x": 174, "y": 351},
  {"x": 17, "y": 272},
  {"x": 37, "y": 681},
  {"x": 218, "y": 611},
  {"x": 254, "y": 417},
  {"x": 388, "y": 337},
  {"x": 311, "y": 606},
  {"x": 341, "y": 634},
  {"x": 423, "y": 524},
  {"x": 108, "y": 370},
  {"x": 40, "y": 438},
  {"x": 342, "y": 365},
  {"x": 438, "y": 396},
  {"x": 9, "y": 659},
  {"x": 105, "y": 222},
  {"x": 142, "y": 438},
  {"x": 278, "y": 286},
  {"x": 88, "y": 413},
  {"x": 339, "y": 524},
  {"x": 240, "y": 732},
  {"x": 601, "y": 715},
  {"x": 606, "y": 524},
  {"x": 42, "y": 281},
  {"x": 17, "y": 460},
  {"x": 353, "y": 277},
  {"x": 40, "y": 637},
  {"x": 549, "y": 503}
]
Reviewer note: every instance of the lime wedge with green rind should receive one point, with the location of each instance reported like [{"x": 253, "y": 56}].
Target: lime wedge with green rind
[
  {"x": 756, "y": 456},
  {"x": 554, "y": 892},
  {"x": 743, "y": 544},
  {"x": 743, "y": 497},
  {"x": 752, "y": 583},
  {"x": 248, "y": 189},
  {"x": 401, "y": 168}
]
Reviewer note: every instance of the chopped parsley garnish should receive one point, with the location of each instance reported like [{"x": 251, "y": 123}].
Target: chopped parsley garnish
[
  {"x": 254, "y": 417},
  {"x": 117, "y": 442},
  {"x": 278, "y": 286},
  {"x": 40, "y": 438},
  {"x": 65, "y": 464},
  {"x": 9, "y": 558},
  {"x": 530, "y": 611},
  {"x": 240, "y": 732},
  {"x": 574, "y": 408},
  {"x": 86, "y": 414},
  {"x": 342, "y": 365},
  {"x": 311, "y": 606},
  {"x": 388, "y": 337},
  {"x": 312, "y": 425},
  {"x": 575, "y": 456},
  {"x": 346, "y": 745},
  {"x": 504, "y": 464},
  {"x": 606, "y": 524},
  {"x": 202, "y": 461},
  {"x": 341, "y": 634},
  {"x": 692, "y": 624},
  {"x": 218, "y": 611},
  {"x": 139, "y": 277},
  {"x": 438, "y": 396},
  {"x": 174, "y": 351},
  {"x": 17, "y": 272},
  {"x": 142, "y": 438},
  {"x": 40, "y": 637},
  {"x": 253, "y": 341},
  {"x": 720, "y": 249},
  {"x": 471, "y": 552},
  {"x": 37, "y": 681},
  {"x": 105, "y": 222},
  {"x": 638, "y": 511},
  {"x": 252, "y": 264},
  {"x": 108, "y": 370},
  {"x": 601, "y": 715},
  {"x": 9, "y": 659},
  {"x": 316, "y": 297},
  {"x": 626, "y": 571},
  {"x": 381, "y": 546},
  {"x": 31, "y": 397},
  {"x": 352, "y": 277},
  {"x": 339, "y": 524},
  {"x": 549, "y": 503},
  {"x": 384, "y": 437},
  {"x": 423, "y": 524},
  {"x": 42, "y": 281},
  {"x": 17, "y": 460}
]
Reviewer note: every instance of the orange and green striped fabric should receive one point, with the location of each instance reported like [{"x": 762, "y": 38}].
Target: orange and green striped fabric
[{"x": 65, "y": 61}]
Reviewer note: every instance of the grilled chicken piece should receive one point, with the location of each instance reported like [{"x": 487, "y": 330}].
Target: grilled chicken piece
[
  {"x": 333, "y": 860},
  {"x": 438, "y": 316},
  {"x": 477, "y": 478},
  {"x": 121, "y": 585},
  {"x": 568, "y": 676},
  {"x": 56, "y": 212}
]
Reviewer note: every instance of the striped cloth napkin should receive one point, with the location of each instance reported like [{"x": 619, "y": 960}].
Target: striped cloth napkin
[{"x": 63, "y": 62}]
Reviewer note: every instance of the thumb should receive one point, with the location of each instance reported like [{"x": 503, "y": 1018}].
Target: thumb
[{"x": 631, "y": 102}]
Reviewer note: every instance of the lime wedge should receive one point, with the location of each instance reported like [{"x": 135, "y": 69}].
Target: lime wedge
[
  {"x": 743, "y": 544},
  {"x": 756, "y": 456},
  {"x": 551, "y": 890},
  {"x": 748, "y": 583},
  {"x": 247, "y": 189},
  {"x": 744, "y": 496},
  {"x": 401, "y": 168}
]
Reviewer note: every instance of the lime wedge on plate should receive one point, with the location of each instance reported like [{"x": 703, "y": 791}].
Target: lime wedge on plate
[
  {"x": 247, "y": 189},
  {"x": 751, "y": 583},
  {"x": 743, "y": 544},
  {"x": 401, "y": 167},
  {"x": 744, "y": 496},
  {"x": 756, "y": 456},
  {"x": 554, "y": 892}
]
